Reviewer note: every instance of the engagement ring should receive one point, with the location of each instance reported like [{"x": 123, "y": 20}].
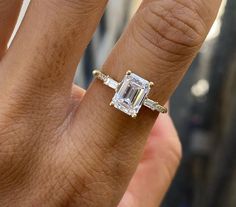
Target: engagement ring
[{"x": 131, "y": 93}]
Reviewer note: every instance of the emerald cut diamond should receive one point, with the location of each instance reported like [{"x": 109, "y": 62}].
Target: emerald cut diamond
[{"x": 131, "y": 94}]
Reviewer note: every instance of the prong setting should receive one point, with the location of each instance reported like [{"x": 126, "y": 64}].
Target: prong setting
[
  {"x": 128, "y": 72},
  {"x": 151, "y": 84},
  {"x": 134, "y": 116}
]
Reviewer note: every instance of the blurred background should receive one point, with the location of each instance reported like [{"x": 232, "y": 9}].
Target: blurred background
[{"x": 204, "y": 106}]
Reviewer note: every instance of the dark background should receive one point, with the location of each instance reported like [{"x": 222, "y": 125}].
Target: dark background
[{"x": 207, "y": 124}]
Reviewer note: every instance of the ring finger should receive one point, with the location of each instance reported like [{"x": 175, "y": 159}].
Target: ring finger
[{"x": 159, "y": 45}]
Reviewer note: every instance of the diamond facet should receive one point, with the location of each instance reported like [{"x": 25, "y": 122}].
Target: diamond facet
[{"x": 131, "y": 94}]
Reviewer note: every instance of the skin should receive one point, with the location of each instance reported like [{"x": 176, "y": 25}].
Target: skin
[{"x": 62, "y": 147}]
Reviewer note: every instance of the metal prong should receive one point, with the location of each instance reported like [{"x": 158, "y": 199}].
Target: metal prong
[
  {"x": 111, "y": 104},
  {"x": 128, "y": 72},
  {"x": 151, "y": 84},
  {"x": 96, "y": 73},
  {"x": 165, "y": 111},
  {"x": 134, "y": 116}
]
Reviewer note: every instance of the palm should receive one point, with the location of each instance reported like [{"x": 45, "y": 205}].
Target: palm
[{"x": 161, "y": 153}]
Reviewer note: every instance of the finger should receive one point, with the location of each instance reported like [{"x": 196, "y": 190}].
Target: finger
[
  {"x": 9, "y": 11},
  {"x": 77, "y": 95},
  {"x": 50, "y": 42},
  {"x": 157, "y": 168},
  {"x": 159, "y": 45}
]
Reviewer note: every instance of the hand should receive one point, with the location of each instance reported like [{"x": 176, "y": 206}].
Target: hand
[{"x": 59, "y": 147}]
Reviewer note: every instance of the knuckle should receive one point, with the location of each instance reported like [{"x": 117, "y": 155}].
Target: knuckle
[
  {"x": 77, "y": 7},
  {"x": 172, "y": 26}
]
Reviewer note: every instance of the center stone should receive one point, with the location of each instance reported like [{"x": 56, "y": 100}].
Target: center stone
[{"x": 131, "y": 94}]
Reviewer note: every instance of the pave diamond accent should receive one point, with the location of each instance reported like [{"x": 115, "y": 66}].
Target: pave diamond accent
[
  {"x": 130, "y": 94},
  {"x": 100, "y": 75}
]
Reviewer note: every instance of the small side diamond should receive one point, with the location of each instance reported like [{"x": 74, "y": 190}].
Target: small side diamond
[
  {"x": 111, "y": 83},
  {"x": 150, "y": 104},
  {"x": 155, "y": 106}
]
